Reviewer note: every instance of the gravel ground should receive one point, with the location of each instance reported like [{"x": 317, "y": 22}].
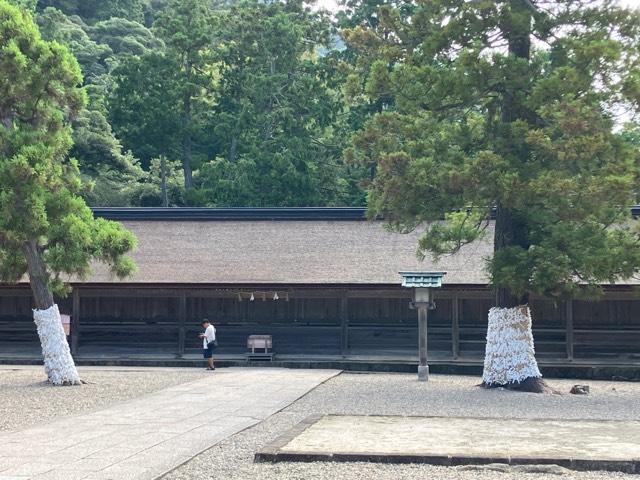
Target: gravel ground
[
  {"x": 398, "y": 394},
  {"x": 26, "y": 400}
]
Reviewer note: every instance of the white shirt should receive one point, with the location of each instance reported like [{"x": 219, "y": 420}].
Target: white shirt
[{"x": 209, "y": 336}]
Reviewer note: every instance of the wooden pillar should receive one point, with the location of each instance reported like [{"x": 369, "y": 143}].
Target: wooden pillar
[
  {"x": 245, "y": 311},
  {"x": 455, "y": 327},
  {"x": 301, "y": 309},
  {"x": 344, "y": 324},
  {"x": 75, "y": 321},
  {"x": 291, "y": 306},
  {"x": 292, "y": 309},
  {"x": 569, "y": 328},
  {"x": 182, "y": 321},
  {"x": 423, "y": 368}
]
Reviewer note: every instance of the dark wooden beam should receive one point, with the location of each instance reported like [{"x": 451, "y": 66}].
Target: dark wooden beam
[
  {"x": 317, "y": 292},
  {"x": 632, "y": 294},
  {"x": 465, "y": 294},
  {"x": 75, "y": 321},
  {"x": 296, "y": 317},
  {"x": 379, "y": 293},
  {"x": 237, "y": 310},
  {"x": 175, "y": 291},
  {"x": 569, "y": 328},
  {"x": 15, "y": 291},
  {"x": 130, "y": 292},
  {"x": 455, "y": 327},
  {"x": 245, "y": 310},
  {"x": 182, "y": 321},
  {"x": 344, "y": 324}
]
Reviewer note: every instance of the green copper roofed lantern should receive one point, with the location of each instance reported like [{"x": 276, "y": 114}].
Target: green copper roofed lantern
[{"x": 422, "y": 284}]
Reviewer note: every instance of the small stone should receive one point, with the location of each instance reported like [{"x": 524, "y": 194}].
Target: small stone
[{"x": 580, "y": 390}]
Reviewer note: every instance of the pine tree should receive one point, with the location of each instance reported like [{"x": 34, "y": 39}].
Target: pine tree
[
  {"x": 46, "y": 229},
  {"x": 508, "y": 107}
]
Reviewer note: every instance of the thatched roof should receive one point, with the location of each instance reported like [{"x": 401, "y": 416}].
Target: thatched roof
[{"x": 286, "y": 252}]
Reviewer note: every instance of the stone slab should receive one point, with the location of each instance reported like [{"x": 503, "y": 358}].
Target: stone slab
[
  {"x": 147, "y": 437},
  {"x": 576, "y": 444}
]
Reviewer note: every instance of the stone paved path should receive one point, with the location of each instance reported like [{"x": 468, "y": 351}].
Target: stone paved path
[
  {"x": 146, "y": 437},
  {"x": 580, "y": 444}
]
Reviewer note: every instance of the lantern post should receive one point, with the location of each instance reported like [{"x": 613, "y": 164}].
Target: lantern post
[{"x": 422, "y": 284}]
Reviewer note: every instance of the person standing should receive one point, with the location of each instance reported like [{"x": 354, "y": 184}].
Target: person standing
[{"x": 209, "y": 343}]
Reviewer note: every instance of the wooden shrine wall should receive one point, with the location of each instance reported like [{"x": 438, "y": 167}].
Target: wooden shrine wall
[{"x": 323, "y": 321}]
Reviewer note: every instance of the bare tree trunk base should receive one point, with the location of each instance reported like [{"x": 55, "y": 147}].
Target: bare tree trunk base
[{"x": 528, "y": 385}]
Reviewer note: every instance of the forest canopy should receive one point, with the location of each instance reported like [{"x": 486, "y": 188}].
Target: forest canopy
[
  {"x": 207, "y": 103},
  {"x": 251, "y": 103}
]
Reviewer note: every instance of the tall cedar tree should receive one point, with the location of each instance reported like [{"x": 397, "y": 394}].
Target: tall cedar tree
[
  {"x": 275, "y": 111},
  {"x": 507, "y": 106},
  {"x": 145, "y": 106},
  {"x": 46, "y": 229},
  {"x": 185, "y": 28}
]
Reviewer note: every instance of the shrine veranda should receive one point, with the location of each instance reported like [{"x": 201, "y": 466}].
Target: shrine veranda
[{"x": 325, "y": 285}]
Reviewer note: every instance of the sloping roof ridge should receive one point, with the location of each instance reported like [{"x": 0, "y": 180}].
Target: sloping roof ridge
[
  {"x": 231, "y": 213},
  {"x": 244, "y": 213}
]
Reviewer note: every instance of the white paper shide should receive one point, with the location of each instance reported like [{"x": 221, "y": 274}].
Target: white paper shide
[
  {"x": 510, "y": 355},
  {"x": 58, "y": 362}
]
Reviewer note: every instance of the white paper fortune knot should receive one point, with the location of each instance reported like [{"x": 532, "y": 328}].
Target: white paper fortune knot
[
  {"x": 58, "y": 362},
  {"x": 510, "y": 355}
]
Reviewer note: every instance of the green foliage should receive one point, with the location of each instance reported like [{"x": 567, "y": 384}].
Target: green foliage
[
  {"x": 99, "y": 49},
  {"x": 71, "y": 31},
  {"x": 477, "y": 117},
  {"x": 133, "y": 186},
  {"x": 29, "y": 5},
  {"x": 124, "y": 37},
  {"x": 94, "y": 143},
  {"x": 92, "y": 11},
  {"x": 39, "y": 184},
  {"x": 149, "y": 193},
  {"x": 145, "y": 106},
  {"x": 186, "y": 29},
  {"x": 457, "y": 229},
  {"x": 274, "y": 109},
  {"x": 247, "y": 96}
]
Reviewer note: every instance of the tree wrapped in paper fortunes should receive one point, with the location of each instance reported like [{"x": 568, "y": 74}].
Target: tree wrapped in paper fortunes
[
  {"x": 510, "y": 354},
  {"x": 47, "y": 232},
  {"x": 58, "y": 362},
  {"x": 499, "y": 117}
]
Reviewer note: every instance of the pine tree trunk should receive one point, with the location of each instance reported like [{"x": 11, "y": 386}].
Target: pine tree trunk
[
  {"x": 58, "y": 362},
  {"x": 509, "y": 231},
  {"x": 163, "y": 181},
  {"x": 233, "y": 149},
  {"x": 186, "y": 128},
  {"x": 186, "y": 140},
  {"x": 510, "y": 355}
]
